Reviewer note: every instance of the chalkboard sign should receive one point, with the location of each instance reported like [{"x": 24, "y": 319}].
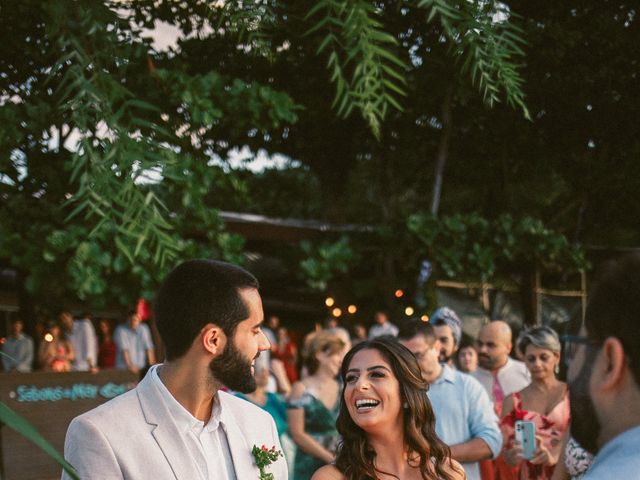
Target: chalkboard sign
[{"x": 50, "y": 401}]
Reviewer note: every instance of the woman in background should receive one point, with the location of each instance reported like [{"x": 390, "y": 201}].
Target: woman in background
[
  {"x": 545, "y": 402},
  {"x": 286, "y": 351},
  {"x": 386, "y": 421},
  {"x": 467, "y": 357},
  {"x": 55, "y": 352},
  {"x": 106, "y": 347},
  {"x": 313, "y": 405}
]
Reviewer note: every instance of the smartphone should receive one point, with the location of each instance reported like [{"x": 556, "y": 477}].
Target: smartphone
[{"x": 526, "y": 436}]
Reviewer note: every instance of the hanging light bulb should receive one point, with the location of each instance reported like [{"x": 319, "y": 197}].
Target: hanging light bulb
[
  {"x": 336, "y": 312},
  {"x": 399, "y": 293},
  {"x": 408, "y": 311},
  {"x": 352, "y": 309},
  {"x": 329, "y": 302}
]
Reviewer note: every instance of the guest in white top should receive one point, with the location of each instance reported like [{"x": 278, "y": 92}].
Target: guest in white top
[
  {"x": 382, "y": 326},
  {"x": 499, "y": 374}
]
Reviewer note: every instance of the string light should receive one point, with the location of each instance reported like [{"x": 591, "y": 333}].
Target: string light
[
  {"x": 408, "y": 311},
  {"x": 48, "y": 337},
  {"x": 329, "y": 302},
  {"x": 424, "y": 318},
  {"x": 399, "y": 293},
  {"x": 336, "y": 312},
  {"x": 352, "y": 309}
]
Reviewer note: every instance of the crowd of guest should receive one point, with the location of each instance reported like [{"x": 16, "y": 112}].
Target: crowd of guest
[
  {"x": 476, "y": 387},
  {"x": 73, "y": 344}
]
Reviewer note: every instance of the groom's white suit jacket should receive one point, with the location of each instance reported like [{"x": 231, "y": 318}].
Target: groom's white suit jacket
[{"x": 134, "y": 437}]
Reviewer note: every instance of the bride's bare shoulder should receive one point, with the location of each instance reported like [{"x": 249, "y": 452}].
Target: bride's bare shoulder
[{"x": 328, "y": 472}]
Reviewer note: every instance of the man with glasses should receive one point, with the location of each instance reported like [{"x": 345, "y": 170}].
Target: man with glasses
[
  {"x": 465, "y": 419},
  {"x": 604, "y": 373}
]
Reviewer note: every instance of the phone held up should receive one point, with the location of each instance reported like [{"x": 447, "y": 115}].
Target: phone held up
[{"x": 526, "y": 436}]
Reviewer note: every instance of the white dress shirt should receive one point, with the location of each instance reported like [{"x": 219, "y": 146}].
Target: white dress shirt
[{"x": 208, "y": 442}]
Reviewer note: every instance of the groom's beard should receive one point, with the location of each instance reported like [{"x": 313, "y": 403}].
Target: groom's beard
[
  {"x": 233, "y": 370},
  {"x": 585, "y": 428}
]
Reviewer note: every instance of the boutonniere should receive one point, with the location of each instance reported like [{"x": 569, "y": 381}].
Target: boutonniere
[{"x": 264, "y": 457}]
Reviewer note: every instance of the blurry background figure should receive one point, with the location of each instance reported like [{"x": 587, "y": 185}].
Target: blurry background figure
[
  {"x": 574, "y": 462},
  {"x": 106, "y": 347},
  {"x": 56, "y": 351},
  {"x": 276, "y": 406},
  {"x": 359, "y": 334},
  {"x": 545, "y": 402},
  {"x": 82, "y": 336},
  {"x": 285, "y": 350},
  {"x": 314, "y": 404},
  {"x": 270, "y": 329},
  {"x": 332, "y": 326},
  {"x": 134, "y": 347},
  {"x": 448, "y": 329},
  {"x": 382, "y": 326},
  {"x": 499, "y": 374},
  {"x": 17, "y": 350},
  {"x": 467, "y": 357}
]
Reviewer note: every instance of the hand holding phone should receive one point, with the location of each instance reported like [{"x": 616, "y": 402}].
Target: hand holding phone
[{"x": 526, "y": 437}]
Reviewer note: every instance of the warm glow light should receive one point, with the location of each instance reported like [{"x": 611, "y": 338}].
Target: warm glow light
[
  {"x": 329, "y": 302},
  {"x": 408, "y": 311},
  {"x": 352, "y": 309},
  {"x": 399, "y": 293},
  {"x": 336, "y": 312},
  {"x": 48, "y": 337},
  {"x": 424, "y": 318}
]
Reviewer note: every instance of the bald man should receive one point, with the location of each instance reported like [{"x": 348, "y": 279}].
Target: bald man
[{"x": 499, "y": 374}]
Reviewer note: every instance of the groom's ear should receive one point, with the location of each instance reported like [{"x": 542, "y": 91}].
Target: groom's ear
[{"x": 213, "y": 339}]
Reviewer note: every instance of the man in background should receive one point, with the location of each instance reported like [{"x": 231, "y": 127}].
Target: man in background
[
  {"x": 82, "y": 336},
  {"x": 448, "y": 329},
  {"x": 17, "y": 350},
  {"x": 134, "y": 346},
  {"x": 382, "y": 326},
  {"x": 604, "y": 374},
  {"x": 465, "y": 419}
]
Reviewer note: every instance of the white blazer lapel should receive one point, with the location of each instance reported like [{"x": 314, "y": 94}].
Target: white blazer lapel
[
  {"x": 165, "y": 431},
  {"x": 239, "y": 444}
]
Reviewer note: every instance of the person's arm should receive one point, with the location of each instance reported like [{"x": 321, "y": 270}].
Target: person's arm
[
  {"x": 151, "y": 352},
  {"x": 511, "y": 450},
  {"x": 295, "y": 419},
  {"x": 92, "y": 346},
  {"x": 560, "y": 471},
  {"x": 127, "y": 360},
  {"x": 486, "y": 438}
]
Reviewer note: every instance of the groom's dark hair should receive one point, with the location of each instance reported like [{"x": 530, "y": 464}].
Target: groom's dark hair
[{"x": 198, "y": 292}]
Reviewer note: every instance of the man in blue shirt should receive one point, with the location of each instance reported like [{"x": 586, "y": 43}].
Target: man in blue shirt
[
  {"x": 134, "y": 346},
  {"x": 465, "y": 419},
  {"x": 604, "y": 373}
]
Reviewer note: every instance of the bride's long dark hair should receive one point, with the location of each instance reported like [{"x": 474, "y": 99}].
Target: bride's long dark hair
[{"x": 355, "y": 457}]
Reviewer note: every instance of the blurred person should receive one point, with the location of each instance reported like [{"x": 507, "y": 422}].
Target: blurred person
[
  {"x": 604, "y": 373},
  {"x": 545, "y": 401},
  {"x": 465, "y": 419},
  {"x": 382, "y": 326},
  {"x": 56, "y": 351},
  {"x": 134, "y": 347},
  {"x": 574, "y": 462},
  {"x": 82, "y": 335},
  {"x": 17, "y": 349},
  {"x": 499, "y": 374},
  {"x": 386, "y": 420},
  {"x": 286, "y": 351},
  {"x": 313, "y": 405},
  {"x": 359, "y": 334},
  {"x": 106, "y": 347},
  {"x": 276, "y": 406},
  {"x": 448, "y": 329},
  {"x": 467, "y": 357},
  {"x": 177, "y": 422}
]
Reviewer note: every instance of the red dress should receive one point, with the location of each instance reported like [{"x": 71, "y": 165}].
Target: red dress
[
  {"x": 551, "y": 428},
  {"x": 288, "y": 358}
]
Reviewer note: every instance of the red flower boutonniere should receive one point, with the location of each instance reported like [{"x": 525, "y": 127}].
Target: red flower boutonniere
[{"x": 264, "y": 457}]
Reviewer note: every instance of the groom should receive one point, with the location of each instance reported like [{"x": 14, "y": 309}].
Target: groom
[{"x": 177, "y": 423}]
